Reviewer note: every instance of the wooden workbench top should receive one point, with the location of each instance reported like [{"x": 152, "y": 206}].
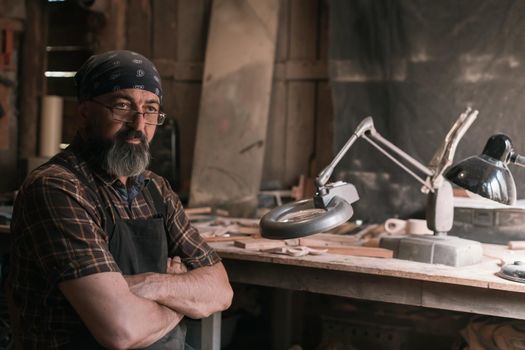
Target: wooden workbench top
[{"x": 481, "y": 275}]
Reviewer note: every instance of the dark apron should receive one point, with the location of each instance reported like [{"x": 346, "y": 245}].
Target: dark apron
[{"x": 137, "y": 246}]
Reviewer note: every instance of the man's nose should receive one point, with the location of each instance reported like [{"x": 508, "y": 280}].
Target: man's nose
[{"x": 139, "y": 122}]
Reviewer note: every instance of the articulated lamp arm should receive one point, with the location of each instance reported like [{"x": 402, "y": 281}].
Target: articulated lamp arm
[{"x": 331, "y": 205}]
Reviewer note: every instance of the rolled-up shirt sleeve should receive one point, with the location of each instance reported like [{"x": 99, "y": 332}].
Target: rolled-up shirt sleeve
[
  {"x": 184, "y": 239},
  {"x": 61, "y": 227}
]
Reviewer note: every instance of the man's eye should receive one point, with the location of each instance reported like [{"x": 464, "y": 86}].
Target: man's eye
[
  {"x": 151, "y": 109},
  {"x": 122, "y": 105}
]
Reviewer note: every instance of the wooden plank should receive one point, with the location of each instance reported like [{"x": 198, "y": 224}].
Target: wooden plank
[
  {"x": 139, "y": 27},
  {"x": 32, "y": 76},
  {"x": 226, "y": 239},
  {"x": 301, "y": 95},
  {"x": 345, "y": 284},
  {"x": 165, "y": 28},
  {"x": 304, "y": 26},
  {"x": 301, "y": 70},
  {"x": 187, "y": 99},
  {"x": 233, "y": 114},
  {"x": 299, "y": 130},
  {"x": 179, "y": 71},
  {"x": 113, "y": 34},
  {"x": 356, "y": 251},
  {"x": 324, "y": 25},
  {"x": 474, "y": 300},
  {"x": 259, "y": 243},
  {"x": 283, "y": 33},
  {"x": 379, "y": 288},
  {"x": 328, "y": 238},
  {"x": 324, "y": 127},
  {"x": 480, "y": 275},
  {"x": 193, "y": 18},
  {"x": 275, "y": 146}
]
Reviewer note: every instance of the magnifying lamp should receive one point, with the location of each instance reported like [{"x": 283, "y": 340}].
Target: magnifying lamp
[{"x": 332, "y": 203}]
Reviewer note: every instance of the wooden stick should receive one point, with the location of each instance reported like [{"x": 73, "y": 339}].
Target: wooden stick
[
  {"x": 258, "y": 244},
  {"x": 197, "y": 211},
  {"x": 516, "y": 245},
  {"x": 225, "y": 238},
  {"x": 358, "y": 251}
]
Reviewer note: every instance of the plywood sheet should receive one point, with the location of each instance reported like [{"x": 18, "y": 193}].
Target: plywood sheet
[{"x": 235, "y": 100}]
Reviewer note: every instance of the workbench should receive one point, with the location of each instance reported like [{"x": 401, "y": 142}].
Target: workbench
[{"x": 474, "y": 289}]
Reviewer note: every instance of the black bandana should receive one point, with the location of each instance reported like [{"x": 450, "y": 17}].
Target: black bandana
[{"x": 116, "y": 70}]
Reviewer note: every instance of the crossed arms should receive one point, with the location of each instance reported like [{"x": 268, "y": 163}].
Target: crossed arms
[{"x": 135, "y": 311}]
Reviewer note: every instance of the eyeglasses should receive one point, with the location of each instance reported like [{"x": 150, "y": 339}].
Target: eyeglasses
[{"x": 125, "y": 114}]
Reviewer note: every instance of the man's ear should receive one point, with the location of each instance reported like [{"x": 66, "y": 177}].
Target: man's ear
[{"x": 82, "y": 110}]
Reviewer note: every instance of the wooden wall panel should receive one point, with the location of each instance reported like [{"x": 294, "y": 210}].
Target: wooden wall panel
[
  {"x": 193, "y": 20},
  {"x": 274, "y": 157},
  {"x": 301, "y": 99},
  {"x": 301, "y": 94},
  {"x": 324, "y": 122},
  {"x": 187, "y": 98},
  {"x": 165, "y": 28},
  {"x": 139, "y": 27},
  {"x": 32, "y": 81},
  {"x": 179, "y": 34},
  {"x": 303, "y": 29},
  {"x": 299, "y": 130},
  {"x": 298, "y": 140}
]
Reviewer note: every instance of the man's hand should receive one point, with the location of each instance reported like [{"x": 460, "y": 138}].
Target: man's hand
[
  {"x": 140, "y": 284},
  {"x": 197, "y": 293},
  {"x": 176, "y": 266}
]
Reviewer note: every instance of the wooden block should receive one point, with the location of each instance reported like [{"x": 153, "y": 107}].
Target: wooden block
[
  {"x": 358, "y": 251},
  {"x": 198, "y": 211},
  {"x": 259, "y": 243},
  {"x": 328, "y": 237},
  {"x": 311, "y": 242},
  {"x": 515, "y": 245},
  {"x": 226, "y": 238}
]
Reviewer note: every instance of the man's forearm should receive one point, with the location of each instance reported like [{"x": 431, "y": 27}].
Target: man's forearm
[
  {"x": 153, "y": 324},
  {"x": 116, "y": 317},
  {"x": 196, "y": 294}
]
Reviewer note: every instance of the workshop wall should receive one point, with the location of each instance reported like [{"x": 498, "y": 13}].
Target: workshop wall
[
  {"x": 12, "y": 14},
  {"x": 174, "y": 35},
  {"x": 415, "y": 66}
]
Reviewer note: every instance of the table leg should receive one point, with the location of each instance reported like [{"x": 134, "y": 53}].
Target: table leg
[{"x": 211, "y": 332}]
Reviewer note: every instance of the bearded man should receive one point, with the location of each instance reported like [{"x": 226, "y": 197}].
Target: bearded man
[{"x": 103, "y": 253}]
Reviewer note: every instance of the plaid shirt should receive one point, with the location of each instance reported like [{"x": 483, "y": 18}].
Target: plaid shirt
[{"x": 58, "y": 235}]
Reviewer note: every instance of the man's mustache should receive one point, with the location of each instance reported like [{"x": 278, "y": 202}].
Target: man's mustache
[{"x": 131, "y": 134}]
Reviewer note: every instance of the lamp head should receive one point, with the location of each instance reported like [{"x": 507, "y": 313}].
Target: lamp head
[{"x": 487, "y": 174}]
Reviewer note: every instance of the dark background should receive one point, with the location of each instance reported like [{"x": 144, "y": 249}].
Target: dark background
[{"x": 415, "y": 66}]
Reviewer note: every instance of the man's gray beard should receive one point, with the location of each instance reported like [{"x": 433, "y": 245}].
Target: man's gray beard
[{"x": 124, "y": 159}]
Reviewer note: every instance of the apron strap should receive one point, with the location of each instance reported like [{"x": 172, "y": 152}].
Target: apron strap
[{"x": 156, "y": 197}]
